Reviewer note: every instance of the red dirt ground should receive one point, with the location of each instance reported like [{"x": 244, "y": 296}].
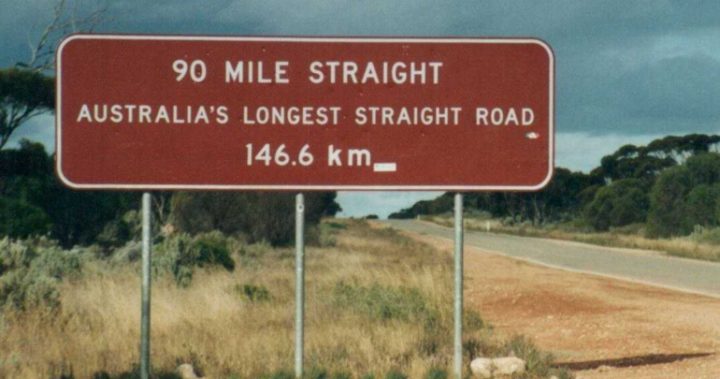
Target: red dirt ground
[{"x": 593, "y": 322}]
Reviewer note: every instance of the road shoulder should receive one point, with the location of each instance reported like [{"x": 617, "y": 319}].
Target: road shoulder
[{"x": 587, "y": 318}]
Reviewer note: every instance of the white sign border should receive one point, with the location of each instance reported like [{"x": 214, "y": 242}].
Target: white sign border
[{"x": 456, "y": 188}]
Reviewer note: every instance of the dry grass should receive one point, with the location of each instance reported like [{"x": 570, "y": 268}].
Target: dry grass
[
  {"x": 687, "y": 247},
  {"x": 221, "y": 331}
]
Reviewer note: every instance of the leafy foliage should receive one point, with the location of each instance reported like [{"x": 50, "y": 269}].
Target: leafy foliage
[
  {"x": 671, "y": 184},
  {"x": 18, "y": 219},
  {"x": 685, "y": 196},
  {"x": 23, "y": 95},
  {"x": 253, "y": 293},
  {"x": 442, "y": 204},
  {"x": 559, "y": 200},
  {"x": 537, "y": 362},
  {"x": 436, "y": 373},
  {"x": 382, "y": 303},
  {"x": 27, "y": 181},
  {"x": 180, "y": 254},
  {"x": 395, "y": 374},
  {"x": 30, "y": 271},
  {"x": 621, "y": 203},
  {"x": 260, "y": 216}
]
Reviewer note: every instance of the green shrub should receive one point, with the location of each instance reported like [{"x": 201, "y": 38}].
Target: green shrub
[
  {"x": 316, "y": 373},
  {"x": 685, "y": 196},
  {"x": 472, "y": 320},
  {"x": 134, "y": 373},
  {"x": 341, "y": 375},
  {"x": 703, "y": 234},
  {"x": 261, "y": 216},
  {"x": 322, "y": 235},
  {"x": 30, "y": 271},
  {"x": 130, "y": 252},
  {"x": 335, "y": 225},
  {"x": 436, "y": 373},
  {"x": 702, "y": 202},
  {"x": 382, "y": 302},
  {"x": 473, "y": 348},
  {"x": 115, "y": 233},
  {"x": 175, "y": 255},
  {"x": 622, "y": 202},
  {"x": 213, "y": 250},
  {"x": 395, "y": 374},
  {"x": 537, "y": 363},
  {"x": 15, "y": 255},
  {"x": 19, "y": 219},
  {"x": 253, "y": 292},
  {"x": 281, "y": 374},
  {"x": 57, "y": 263},
  {"x": 256, "y": 250},
  {"x": 21, "y": 290},
  {"x": 180, "y": 254}
]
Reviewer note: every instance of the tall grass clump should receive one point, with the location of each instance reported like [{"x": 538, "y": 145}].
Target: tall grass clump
[
  {"x": 707, "y": 235},
  {"x": 537, "y": 362}
]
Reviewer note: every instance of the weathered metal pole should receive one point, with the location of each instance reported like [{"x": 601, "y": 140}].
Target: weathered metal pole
[
  {"x": 145, "y": 289},
  {"x": 458, "y": 285},
  {"x": 299, "y": 283}
]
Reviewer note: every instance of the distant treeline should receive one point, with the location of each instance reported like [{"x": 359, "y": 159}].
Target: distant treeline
[
  {"x": 33, "y": 202},
  {"x": 671, "y": 185}
]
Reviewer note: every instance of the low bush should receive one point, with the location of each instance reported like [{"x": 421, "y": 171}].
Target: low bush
[
  {"x": 18, "y": 219},
  {"x": 382, "y": 302},
  {"x": 256, "y": 250},
  {"x": 436, "y": 373},
  {"x": 179, "y": 254},
  {"x": 282, "y": 374},
  {"x": 133, "y": 374},
  {"x": 322, "y": 235},
  {"x": 472, "y": 321},
  {"x": 213, "y": 249},
  {"x": 261, "y": 216},
  {"x": 31, "y": 269},
  {"x": 312, "y": 373},
  {"x": 537, "y": 363},
  {"x": 707, "y": 235},
  {"x": 130, "y": 252},
  {"x": 253, "y": 292},
  {"x": 122, "y": 231},
  {"x": 395, "y": 374}
]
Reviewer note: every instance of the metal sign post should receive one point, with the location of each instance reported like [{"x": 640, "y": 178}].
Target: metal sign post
[
  {"x": 145, "y": 290},
  {"x": 458, "y": 284},
  {"x": 299, "y": 283}
]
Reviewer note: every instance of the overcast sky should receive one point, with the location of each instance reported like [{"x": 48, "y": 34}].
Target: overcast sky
[{"x": 627, "y": 71}]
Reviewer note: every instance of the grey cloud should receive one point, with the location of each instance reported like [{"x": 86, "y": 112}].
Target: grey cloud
[
  {"x": 686, "y": 87},
  {"x": 606, "y": 51}
]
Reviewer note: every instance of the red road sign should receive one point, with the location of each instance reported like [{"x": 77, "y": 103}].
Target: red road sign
[{"x": 172, "y": 112}]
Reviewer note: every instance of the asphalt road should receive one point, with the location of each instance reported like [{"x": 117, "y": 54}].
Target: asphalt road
[{"x": 640, "y": 266}]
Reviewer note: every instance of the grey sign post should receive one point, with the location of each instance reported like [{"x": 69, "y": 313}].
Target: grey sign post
[
  {"x": 299, "y": 283},
  {"x": 145, "y": 289},
  {"x": 458, "y": 284}
]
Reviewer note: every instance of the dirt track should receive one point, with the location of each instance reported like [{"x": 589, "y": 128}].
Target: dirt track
[{"x": 600, "y": 327}]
